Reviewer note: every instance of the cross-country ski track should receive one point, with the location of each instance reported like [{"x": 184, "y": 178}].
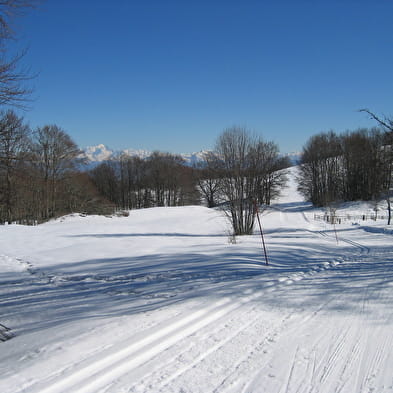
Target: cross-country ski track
[{"x": 163, "y": 302}]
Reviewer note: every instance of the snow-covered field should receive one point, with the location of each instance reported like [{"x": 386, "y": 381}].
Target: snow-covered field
[{"x": 162, "y": 301}]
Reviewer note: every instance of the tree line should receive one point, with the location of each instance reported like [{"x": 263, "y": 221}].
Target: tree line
[
  {"x": 355, "y": 165},
  {"x": 163, "y": 179},
  {"x": 40, "y": 176},
  {"x": 239, "y": 173}
]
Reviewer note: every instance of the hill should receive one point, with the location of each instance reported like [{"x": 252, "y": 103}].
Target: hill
[{"x": 162, "y": 301}]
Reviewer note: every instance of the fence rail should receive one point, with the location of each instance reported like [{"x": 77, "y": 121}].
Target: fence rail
[{"x": 338, "y": 219}]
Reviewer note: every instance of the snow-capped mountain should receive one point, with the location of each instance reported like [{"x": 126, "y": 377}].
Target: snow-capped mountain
[
  {"x": 99, "y": 153},
  {"x": 294, "y": 157}
]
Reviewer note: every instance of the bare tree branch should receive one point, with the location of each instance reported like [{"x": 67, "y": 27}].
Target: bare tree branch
[
  {"x": 8, "y": 10},
  {"x": 387, "y": 123},
  {"x": 13, "y": 90}
]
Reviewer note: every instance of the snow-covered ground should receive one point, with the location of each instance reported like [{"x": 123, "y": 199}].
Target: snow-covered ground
[{"x": 163, "y": 301}]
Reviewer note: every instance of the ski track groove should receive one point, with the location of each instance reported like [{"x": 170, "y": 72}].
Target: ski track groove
[
  {"x": 333, "y": 356},
  {"x": 223, "y": 336},
  {"x": 291, "y": 372},
  {"x": 154, "y": 382},
  {"x": 204, "y": 355},
  {"x": 116, "y": 364},
  {"x": 180, "y": 354},
  {"x": 259, "y": 357},
  {"x": 99, "y": 372},
  {"x": 373, "y": 366},
  {"x": 348, "y": 365}
]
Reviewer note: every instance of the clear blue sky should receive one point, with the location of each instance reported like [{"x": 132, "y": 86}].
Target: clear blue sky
[{"x": 171, "y": 75}]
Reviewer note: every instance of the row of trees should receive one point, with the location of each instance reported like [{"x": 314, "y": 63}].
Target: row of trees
[
  {"x": 39, "y": 173},
  {"x": 162, "y": 179},
  {"x": 41, "y": 176},
  {"x": 353, "y": 166},
  {"x": 241, "y": 172}
]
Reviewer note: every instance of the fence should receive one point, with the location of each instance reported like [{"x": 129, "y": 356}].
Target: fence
[{"x": 338, "y": 219}]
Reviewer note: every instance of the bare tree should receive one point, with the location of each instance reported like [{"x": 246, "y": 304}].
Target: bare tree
[
  {"x": 55, "y": 156},
  {"x": 362, "y": 162},
  {"x": 242, "y": 160},
  {"x": 168, "y": 179},
  {"x": 268, "y": 169},
  {"x": 105, "y": 178},
  {"x": 13, "y": 90},
  {"x": 133, "y": 183},
  {"x": 208, "y": 177},
  {"x": 14, "y": 139},
  {"x": 347, "y": 167},
  {"x": 320, "y": 179},
  {"x": 387, "y": 124}
]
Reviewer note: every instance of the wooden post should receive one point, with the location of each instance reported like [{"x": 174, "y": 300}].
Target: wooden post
[{"x": 261, "y": 231}]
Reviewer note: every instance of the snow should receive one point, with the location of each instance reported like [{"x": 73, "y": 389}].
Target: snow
[
  {"x": 163, "y": 301},
  {"x": 100, "y": 153}
]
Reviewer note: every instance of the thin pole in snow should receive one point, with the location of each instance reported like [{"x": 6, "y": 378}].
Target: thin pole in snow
[{"x": 260, "y": 229}]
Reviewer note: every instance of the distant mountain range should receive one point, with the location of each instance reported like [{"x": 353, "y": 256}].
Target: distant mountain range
[{"x": 100, "y": 153}]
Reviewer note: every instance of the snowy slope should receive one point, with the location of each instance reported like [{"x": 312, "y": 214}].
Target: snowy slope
[{"x": 161, "y": 301}]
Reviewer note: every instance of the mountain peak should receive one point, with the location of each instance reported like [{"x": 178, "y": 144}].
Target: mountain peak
[{"x": 99, "y": 153}]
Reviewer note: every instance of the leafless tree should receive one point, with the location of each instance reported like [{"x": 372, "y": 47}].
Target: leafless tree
[
  {"x": 105, "y": 178},
  {"x": 169, "y": 180},
  {"x": 386, "y": 122},
  {"x": 208, "y": 177},
  {"x": 13, "y": 89},
  {"x": 387, "y": 125},
  {"x": 55, "y": 156},
  {"x": 14, "y": 139},
  {"x": 320, "y": 179},
  {"x": 347, "y": 167},
  {"x": 362, "y": 162},
  {"x": 242, "y": 160},
  {"x": 162, "y": 179},
  {"x": 268, "y": 167}
]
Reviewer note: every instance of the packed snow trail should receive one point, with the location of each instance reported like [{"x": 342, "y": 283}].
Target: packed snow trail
[{"x": 162, "y": 302}]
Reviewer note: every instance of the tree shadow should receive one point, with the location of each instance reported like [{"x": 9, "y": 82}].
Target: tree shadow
[
  {"x": 148, "y": 234},
  {"x": 300, "y": 274}
]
